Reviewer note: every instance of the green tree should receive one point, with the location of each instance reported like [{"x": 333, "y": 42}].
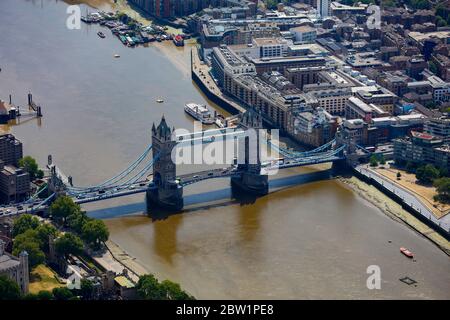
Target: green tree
[
  {"x": 373, "y": 161},
  {"x": 432, "y": 66},
  {"x": 67, "y": 244},
  {"x": 62, "y": 293},
  {"x": 95, "y": 232},
  {"x": 426, "y": 174},
  {"x": 399, "y": 175},
  {"x": 45, "y": 295},
  {"x": 29, "y": 242},
  {"x": 39, "y": 174},
  {"x": 148, "y": 288},
  {"x": 30, "y": 297},
  {"x": 86, "y": 289},
  {"x": 9, "y": 290},
  {"x": 173, "y": 291},
  {"x": 77, "y": 220},
  {"x": 30, "y": 165},
  {"x": 442, "y": 186},
  {"x": 24, "y": 223},
  {"x": 64, "y": 207},
  {"x": 44, "y": 231},
  {"x": 382, "y": 159}
]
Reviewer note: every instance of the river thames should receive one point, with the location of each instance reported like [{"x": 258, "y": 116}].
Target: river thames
[{"x": 314, "y": 240}]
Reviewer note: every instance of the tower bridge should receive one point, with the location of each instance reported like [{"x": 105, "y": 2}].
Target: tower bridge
[{"x": 155, "y": 174}]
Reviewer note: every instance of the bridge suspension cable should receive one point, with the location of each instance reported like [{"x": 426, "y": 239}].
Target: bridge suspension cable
[{"x": 119, "y": 177}]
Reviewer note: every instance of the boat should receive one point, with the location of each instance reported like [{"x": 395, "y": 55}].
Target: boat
[
  {"x": 406, "y": 252},
  {"x": 178, "y": 41},
  {"x": 199, "y": 112},
  {"x": 117, "y": 55},
  {"x": 160, "y": 100},
  {"x": 101, "y": 34}
]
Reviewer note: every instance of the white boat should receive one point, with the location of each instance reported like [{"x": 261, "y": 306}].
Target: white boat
[
  {"x": 160, "y": 100},
  {"x": 199, "y": 112},
  {"x": 116, "y": 56}
]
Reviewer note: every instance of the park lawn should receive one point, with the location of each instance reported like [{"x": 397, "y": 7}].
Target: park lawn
[
  {"x": 43, "y": 278},
  {"x": 425, "y": 193}
]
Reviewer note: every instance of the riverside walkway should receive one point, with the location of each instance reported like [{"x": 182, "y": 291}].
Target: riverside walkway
[{"x": 408, "y": 198}]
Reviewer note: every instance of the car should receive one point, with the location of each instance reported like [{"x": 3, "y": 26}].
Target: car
[
  {"x": 142, "y": 184},
  {"x": 131, "y": 187},
  {"x": 1, "y": 213},
  {"x": 210, "y": 173},
  {"x": 8, "y": 211},
  {"x": 19, "y": 207},
  {"x": 101, "y": 191},
  {"x": 195, "y": 177}
]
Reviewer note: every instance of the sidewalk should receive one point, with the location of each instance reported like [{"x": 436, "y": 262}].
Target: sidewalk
[
  {"x": 407, "y": 197},
  {"x": 116, "y": 259}
]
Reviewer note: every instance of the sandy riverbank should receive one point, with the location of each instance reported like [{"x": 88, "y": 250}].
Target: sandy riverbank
[{"x": 395, "y": 211}]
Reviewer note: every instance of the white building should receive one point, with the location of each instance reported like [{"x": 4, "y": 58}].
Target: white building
[
  {"x": 323, "y": 8},
  {"x": 441, "y": 89},
  {"x": 304, "y": 34}
]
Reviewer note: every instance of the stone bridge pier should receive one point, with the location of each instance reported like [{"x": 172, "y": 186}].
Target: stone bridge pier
[
  {"x": 249, "y": 180},
  {"x": 165, "y": 193}
]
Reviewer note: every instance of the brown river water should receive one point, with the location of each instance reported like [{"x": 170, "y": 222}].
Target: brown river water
[{"x": 313, "y": 240}]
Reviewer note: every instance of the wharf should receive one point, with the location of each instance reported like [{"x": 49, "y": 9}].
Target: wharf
[{"x": 201, "y": 76}]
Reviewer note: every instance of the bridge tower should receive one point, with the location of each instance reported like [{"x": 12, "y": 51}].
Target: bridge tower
[
  {"x": 250, "y": 179},
  {"x": 165, "y": 192},
  {"x": 55, "y": 184}
]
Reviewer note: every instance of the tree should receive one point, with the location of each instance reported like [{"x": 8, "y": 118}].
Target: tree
[
  {"x": 373, "y": 161},
  {"x": 68, "y": 243},
  {"x": 29, "y": 242},
  {"x": 432, "y": 66},
  {"x": 24, "y": 223},
  {"x": 95, "y": 232},
  {"x": 30, "y": 165},
  {"x": 426, "y": 174},
  {"x": 173, "y": 291},
  {"x": 64, "y": 207},
  {"x": 442, "y": 186},
  {"x": 382, "y": 159},
  {"x": 399, "y": 175},
  {"x": 45, "y": 295},
  {"x": 62, "y": 293},
  {"x": 44, "y": 231},
  {"x": 77, "y": 220},
  {"x": 86, "y": 289},
  {"x": 148, "y": 288},
  {"x": 9, "y": 290}
]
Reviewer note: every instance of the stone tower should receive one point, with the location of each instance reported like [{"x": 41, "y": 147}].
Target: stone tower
[
  {"x": 166, "y": 192},
  {"x": 24, "y": 283},
  {"x": 250, "y": 179}
]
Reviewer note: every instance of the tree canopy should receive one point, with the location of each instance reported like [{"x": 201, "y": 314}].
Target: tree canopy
[
  {"x": 68, "y": 243},
  {"x": 426, "y": 174},
  {"x": 94, "y": 232},
  {"x": 30, "y": 165},
  {"x": 442, "y": 186},
  {"x": 64, "y": 207},
  {"x": 9, "y": 290},
  {"x": 24, "y": 223},
  {"x": 29, "y": 242},
  {"x": 149, "y": 288},
  {"x": 44, "y": 231}
]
